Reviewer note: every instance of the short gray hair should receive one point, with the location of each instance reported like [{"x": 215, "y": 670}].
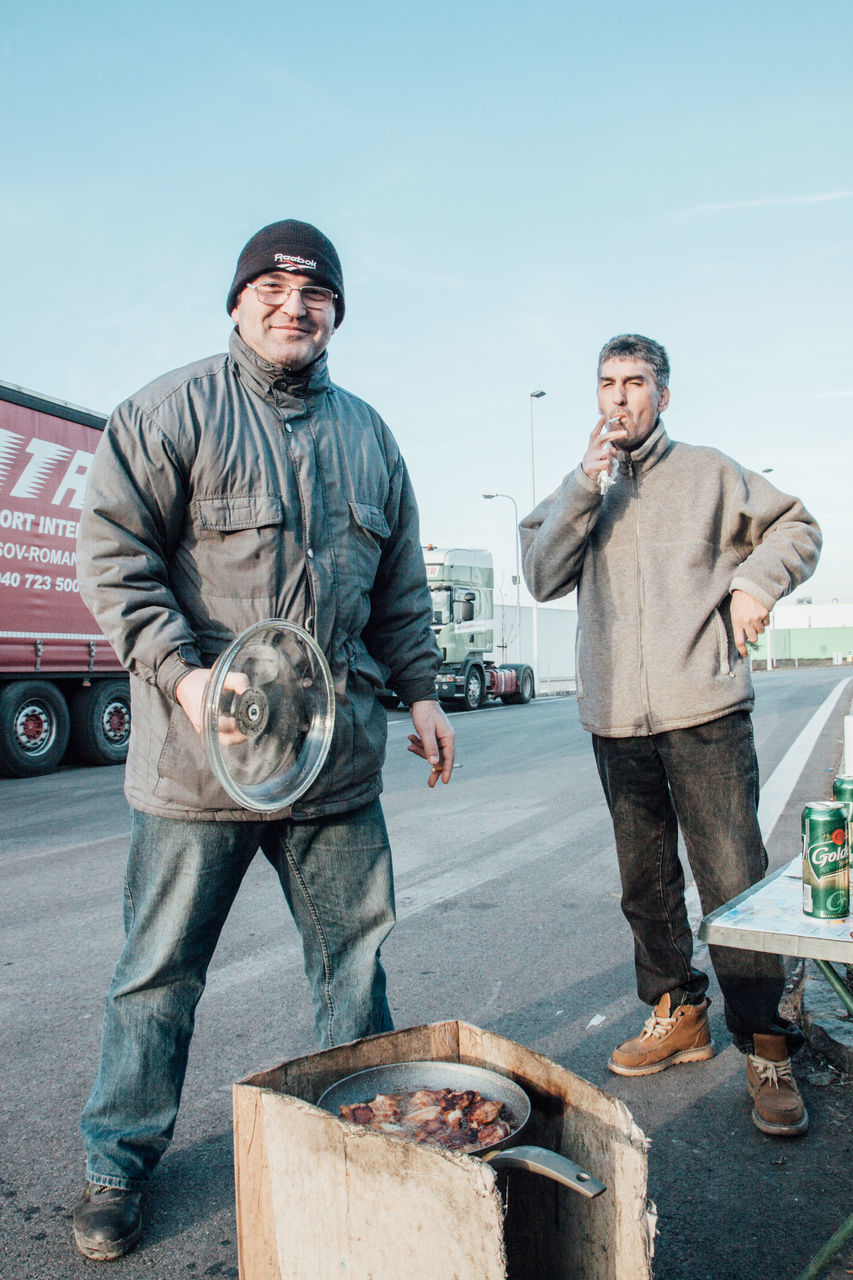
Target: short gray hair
[{"x": 633, "y": 346}]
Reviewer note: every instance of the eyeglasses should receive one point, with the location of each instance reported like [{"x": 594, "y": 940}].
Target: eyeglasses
[{"x": 314, "y": 296}]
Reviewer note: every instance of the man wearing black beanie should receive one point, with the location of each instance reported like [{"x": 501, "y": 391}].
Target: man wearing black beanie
[
  {"x": 290, "y": 246},
  {"x": 240, "y": 488}
]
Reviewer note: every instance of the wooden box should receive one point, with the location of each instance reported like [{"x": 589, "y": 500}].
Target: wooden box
[{"x": 318, "y": 1198}]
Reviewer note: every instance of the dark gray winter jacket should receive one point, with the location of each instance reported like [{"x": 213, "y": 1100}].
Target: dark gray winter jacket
[{"x": 221, "y": 496}]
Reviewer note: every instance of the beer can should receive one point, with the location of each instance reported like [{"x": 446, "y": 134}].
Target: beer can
[
  {"x": 842, "y": 789},
  {"x": 826, "y": 860}
]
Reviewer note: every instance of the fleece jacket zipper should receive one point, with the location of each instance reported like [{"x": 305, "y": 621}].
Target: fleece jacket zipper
[{"x": 642, "y": 681}]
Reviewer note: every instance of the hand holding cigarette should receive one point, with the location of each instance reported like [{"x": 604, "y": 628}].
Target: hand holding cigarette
[{"x": 598, "y": 458}]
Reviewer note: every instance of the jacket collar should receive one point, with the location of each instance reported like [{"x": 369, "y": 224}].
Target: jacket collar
[
  {"x": 272, "y": 382},
  {"x": 649, "y": 452}
]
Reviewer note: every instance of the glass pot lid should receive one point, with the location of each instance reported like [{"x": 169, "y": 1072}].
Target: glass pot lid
[{"x": 267, "y": 715}]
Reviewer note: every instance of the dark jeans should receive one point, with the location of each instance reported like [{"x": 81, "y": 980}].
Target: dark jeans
[
  {"x": 181, "y": 880},
  {"x": 704, "y": 779}
]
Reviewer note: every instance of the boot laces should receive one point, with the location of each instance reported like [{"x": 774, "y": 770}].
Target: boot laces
[
  {"x": 772, "y": 1073},
  {"x": 655, "y": 1027}
]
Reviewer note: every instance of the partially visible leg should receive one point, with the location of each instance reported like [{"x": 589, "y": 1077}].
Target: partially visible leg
[
  {"x": 713, "y": 775},
  {"x": 180, "y": 883},
  {"x": 337, "y": 878},
  {"x": 646, "y": 832}
]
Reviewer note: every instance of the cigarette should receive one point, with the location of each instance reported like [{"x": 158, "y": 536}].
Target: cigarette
[{"x": 605, "y": 479}]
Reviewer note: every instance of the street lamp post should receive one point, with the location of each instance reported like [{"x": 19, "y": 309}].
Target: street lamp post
[
  {"x": 510, "y": 498},
  {"x": 765, "y": 471},
  {"x": 534, "y": 395}
]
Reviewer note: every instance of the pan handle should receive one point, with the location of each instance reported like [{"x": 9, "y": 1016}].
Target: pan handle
[{"x": 550, "y": 1164}]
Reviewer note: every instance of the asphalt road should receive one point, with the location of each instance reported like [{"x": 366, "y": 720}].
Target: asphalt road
[{"x": 499, "y": 877}]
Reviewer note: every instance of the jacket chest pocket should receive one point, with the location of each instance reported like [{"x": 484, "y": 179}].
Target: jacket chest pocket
[
  {"x": 239, "y": 544},
  {"x": 369, "y": 530}
]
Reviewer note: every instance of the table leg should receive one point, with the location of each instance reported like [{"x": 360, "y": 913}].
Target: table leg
[
  {"x": 840, "y": 988},
  {"x": 845, "y": 1231},
  {"x": 830, "y": 1249}
]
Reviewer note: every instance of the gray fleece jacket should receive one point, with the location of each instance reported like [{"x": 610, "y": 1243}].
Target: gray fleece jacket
[
  {"x": 223, "y": 494},
  {"x": 654, "y": 562}
]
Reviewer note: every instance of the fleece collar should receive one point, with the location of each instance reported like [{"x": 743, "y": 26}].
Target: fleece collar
[{"x": 649, "y": 452}]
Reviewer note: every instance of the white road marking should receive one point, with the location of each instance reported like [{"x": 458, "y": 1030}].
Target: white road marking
[{"x": 777, "y": 790}]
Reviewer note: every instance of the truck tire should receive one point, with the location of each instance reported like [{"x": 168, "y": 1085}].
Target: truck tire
[
  {"x": 100, "y": 722},
  {"x": 474, "y": 692},
  {"x": 34, "y": 725},
  {"x": 526, "y": 689}
]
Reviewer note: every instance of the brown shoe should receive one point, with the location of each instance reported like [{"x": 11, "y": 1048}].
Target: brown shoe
[
  {"x": 777, "y": 1107},
  {"x": 669, "y": 1037}
]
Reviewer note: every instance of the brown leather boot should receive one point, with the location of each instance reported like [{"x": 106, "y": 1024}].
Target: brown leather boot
[
  {"x": 777, "y": 1107},
  {"x": 669, "y": 1036}
]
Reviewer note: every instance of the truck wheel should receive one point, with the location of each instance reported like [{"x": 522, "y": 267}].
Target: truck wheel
[
  {"x": 100, "y": 722},
  {"x": 34, "y": 724},
  {"x": 525, "y": 687},
  {"x": 525, "y": 690},
  {"x": 475, "y": 688}
]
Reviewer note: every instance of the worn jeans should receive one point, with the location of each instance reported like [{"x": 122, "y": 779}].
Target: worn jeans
[
  {"x": 704, "y": 779},
  {"x": 182, "y": 878}
]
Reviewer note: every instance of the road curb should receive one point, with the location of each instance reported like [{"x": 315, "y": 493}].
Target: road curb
[{"x": 827, "y": 1024}]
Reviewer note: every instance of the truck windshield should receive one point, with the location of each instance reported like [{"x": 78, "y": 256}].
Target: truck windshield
[{"x": 440, "y": 605}]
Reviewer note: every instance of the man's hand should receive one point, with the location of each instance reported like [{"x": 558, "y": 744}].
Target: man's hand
[
  {"x": 599, "y": 453},
  {"x": 749, "y": 618},
  {"x": 433, "y": 739},
  {"x": 190, "y": 693}
]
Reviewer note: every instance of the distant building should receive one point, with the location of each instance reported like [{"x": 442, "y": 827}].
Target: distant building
[
  {"x": 802, "y": 633},
  {"x": 557, "y": 626}
]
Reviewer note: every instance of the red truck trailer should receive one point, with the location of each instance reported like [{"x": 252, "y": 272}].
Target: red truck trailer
[{"x": 62, "y": 688}]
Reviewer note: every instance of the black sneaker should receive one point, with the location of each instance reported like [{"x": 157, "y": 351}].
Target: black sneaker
[{"x": 107, "y": 1221}]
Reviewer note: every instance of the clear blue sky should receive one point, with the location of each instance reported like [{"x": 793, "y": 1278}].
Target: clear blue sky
[{"x": 508, "y": 186}]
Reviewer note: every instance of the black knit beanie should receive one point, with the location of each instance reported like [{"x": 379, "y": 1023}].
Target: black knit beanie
[{"x": 289, "y": 246}]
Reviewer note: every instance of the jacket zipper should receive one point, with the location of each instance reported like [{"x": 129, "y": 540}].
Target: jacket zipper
[
  {"x": 310, "y": 622},
  {"x": 641, "y": 666}
]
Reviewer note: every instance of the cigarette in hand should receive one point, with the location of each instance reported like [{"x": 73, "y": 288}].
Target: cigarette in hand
[{"x": 605, "y": 479}]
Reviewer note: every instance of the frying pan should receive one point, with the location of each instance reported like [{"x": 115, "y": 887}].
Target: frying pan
[{"x": 403, "y": 1077}]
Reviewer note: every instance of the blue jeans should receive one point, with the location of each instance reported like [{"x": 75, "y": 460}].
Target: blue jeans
[
  {"x": 704, "y": 779},
  {"x": 182, "y": 878}
]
